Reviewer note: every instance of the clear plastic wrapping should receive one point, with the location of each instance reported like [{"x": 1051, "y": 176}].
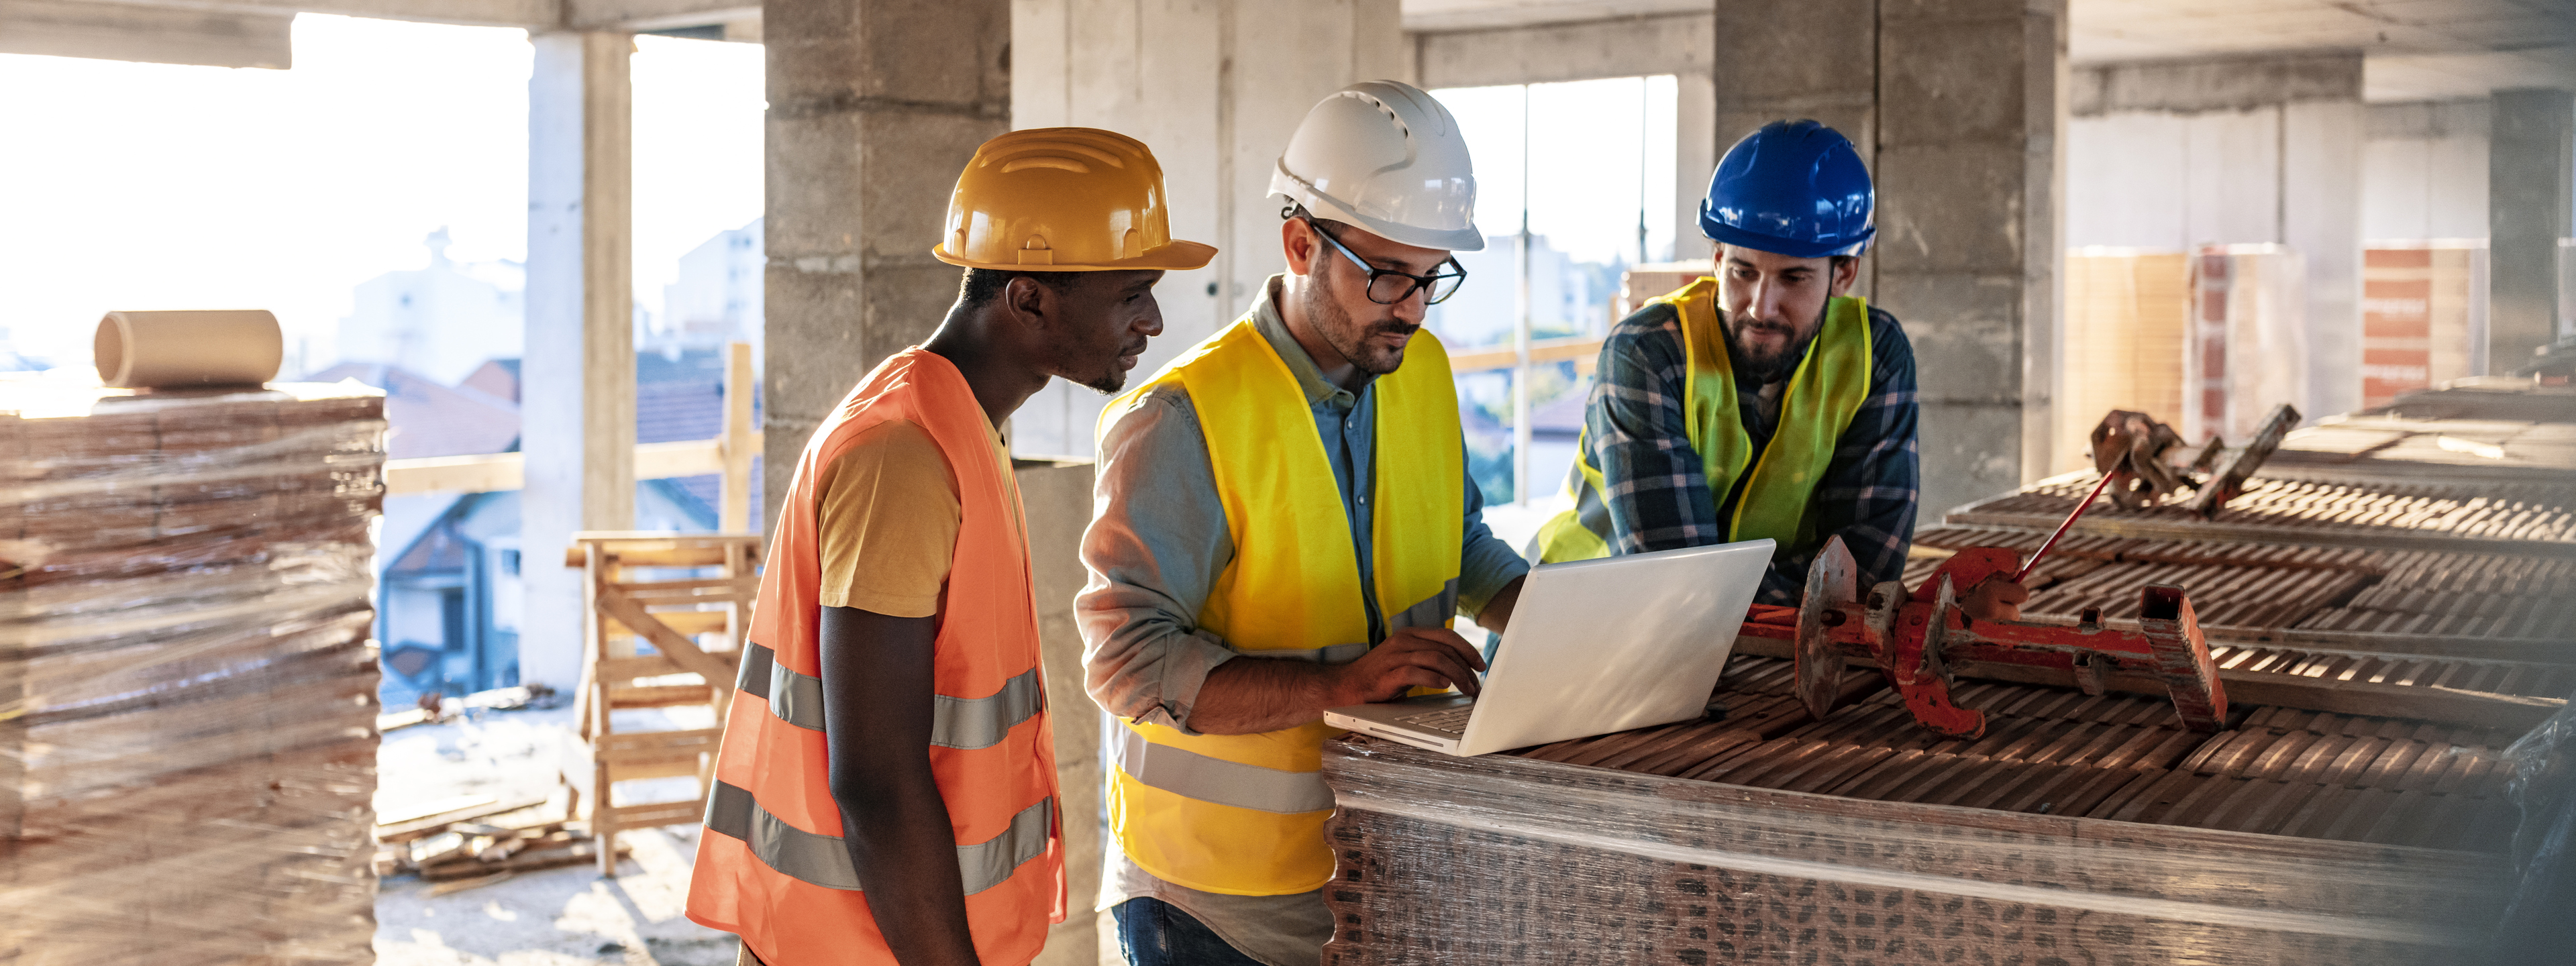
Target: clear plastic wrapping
[
  {"x": 1509, "y": 859},
  {"x": 187, "y": 685},
  {"x": 2536, "y": 928}
]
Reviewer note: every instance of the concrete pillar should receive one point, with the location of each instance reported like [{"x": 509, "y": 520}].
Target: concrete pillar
[
  {"x": 1214, "y": 87},
  {"x": 578, "y": 402},
  {"x": 2531, "y": 162},
  {"x": 1697, "y": 144},
  {"x": 874, "y": 106},
  {"x": 1959, "y": 116},
  {"x": 1970, "y": 186}
]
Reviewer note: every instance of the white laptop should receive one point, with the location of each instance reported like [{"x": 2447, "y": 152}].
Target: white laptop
[{"x": 1594, "y": 646}]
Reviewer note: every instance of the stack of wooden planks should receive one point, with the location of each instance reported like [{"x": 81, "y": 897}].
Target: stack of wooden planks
[{"x": 187, "y": 687}]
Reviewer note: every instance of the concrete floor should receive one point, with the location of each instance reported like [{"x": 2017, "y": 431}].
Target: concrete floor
[{"x": 558, "y": 917}]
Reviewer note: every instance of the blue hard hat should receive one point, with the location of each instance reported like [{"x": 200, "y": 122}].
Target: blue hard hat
[{"x": 1793, "y": 188}]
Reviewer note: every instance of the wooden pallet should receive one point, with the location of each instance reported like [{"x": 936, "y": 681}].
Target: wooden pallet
[{"x": 688, "y": 598}]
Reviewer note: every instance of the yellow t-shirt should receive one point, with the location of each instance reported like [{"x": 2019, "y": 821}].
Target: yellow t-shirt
[{"x": 887, "y": 518}]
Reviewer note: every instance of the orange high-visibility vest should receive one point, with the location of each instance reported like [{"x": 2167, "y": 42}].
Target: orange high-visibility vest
[{"x": 772, "y": 867}]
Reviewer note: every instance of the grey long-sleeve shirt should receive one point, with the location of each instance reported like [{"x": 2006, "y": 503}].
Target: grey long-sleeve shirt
[{"x": 1158, "y": 538}]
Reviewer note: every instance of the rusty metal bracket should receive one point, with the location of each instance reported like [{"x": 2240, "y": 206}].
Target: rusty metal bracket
[{"x": 1914, "y": 640}]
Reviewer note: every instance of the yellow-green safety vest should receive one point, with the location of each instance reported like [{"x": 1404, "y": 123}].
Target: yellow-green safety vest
[
  {"x": 1244, "y": 814},
  {"x": 1821, "y": 399}
]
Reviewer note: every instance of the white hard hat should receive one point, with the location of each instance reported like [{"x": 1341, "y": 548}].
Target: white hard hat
[{"x": 1387, "y": 157}]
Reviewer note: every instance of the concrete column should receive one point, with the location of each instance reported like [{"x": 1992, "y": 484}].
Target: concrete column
[
  {"x": 1697, "y": 144},
  {"x": 1958, "y": 114},
  {"x": 1969, "y": 194},
  {"x": 1215, "y": 87},
  {"x": 1776, "y": 62},
  {"x": 2530, "y": 164},
  {"x": 874, "y": 107},
  {"x": 578, "y": 402},
  {"x": 2322, "y": 146}
]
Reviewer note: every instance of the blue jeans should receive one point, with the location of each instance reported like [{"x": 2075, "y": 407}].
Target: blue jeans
[{"x": 1152, "y": 932}]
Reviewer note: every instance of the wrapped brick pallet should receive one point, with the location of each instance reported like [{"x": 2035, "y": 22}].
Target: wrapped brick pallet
[{"x": 187, "y": 684}]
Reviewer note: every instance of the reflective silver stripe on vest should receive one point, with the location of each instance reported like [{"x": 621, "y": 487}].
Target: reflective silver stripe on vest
[
  {"x": 965, "y": 724},
  {"x": 1432, "y": 611},
  {"x": 1336, "y": 654},
  {"x": 971, "y": 723},
  {"x": 1193, "y": 775},
  {"x": 823, "y": 860},
  {"x": 758, "y": 662}
]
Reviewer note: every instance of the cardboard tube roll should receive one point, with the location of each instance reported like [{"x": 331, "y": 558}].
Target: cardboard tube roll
[{"x": 160, "y": 350}]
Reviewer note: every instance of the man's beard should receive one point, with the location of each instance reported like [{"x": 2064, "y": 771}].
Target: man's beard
[
  {"x": 1763, "y": 370},
  {"x": 1329, "y": 318},
  {"x": 1108, "y": 384}
]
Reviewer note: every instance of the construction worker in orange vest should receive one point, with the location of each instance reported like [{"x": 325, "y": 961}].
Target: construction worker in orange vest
[{"x": 886, "y": 792}]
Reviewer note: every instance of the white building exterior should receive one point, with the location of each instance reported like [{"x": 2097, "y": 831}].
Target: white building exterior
[
  {"x": 717, "y": 298},
  {"x": 441, "y": 320}
]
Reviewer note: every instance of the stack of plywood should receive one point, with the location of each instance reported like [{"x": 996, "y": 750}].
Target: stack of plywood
[
  {"x": 2124, "y": 335},
  {"x": 187, "y": 687}
]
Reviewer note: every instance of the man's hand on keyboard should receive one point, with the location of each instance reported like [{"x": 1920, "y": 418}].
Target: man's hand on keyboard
[{"x": 1425, "y": 657}]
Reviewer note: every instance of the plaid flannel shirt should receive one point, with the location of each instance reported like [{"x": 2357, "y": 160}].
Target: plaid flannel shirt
[{"x": 1657, "y": 491}]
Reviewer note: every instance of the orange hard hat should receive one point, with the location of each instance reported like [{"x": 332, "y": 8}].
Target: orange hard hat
[{"x": 1064, "y": 199}]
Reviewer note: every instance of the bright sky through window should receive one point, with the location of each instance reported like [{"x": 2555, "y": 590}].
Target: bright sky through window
[
  {"x": 1591, "y": 136},
  {"x": 160, "y": 186}
]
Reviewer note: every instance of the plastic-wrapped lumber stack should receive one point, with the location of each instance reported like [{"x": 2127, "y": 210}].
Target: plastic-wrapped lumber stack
[{"x": 187, "y": 686}]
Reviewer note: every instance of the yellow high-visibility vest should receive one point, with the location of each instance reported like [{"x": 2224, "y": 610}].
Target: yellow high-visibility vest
[
  {"x": 1244, "y": 814},
  {"x": 1821, "y": 399}
]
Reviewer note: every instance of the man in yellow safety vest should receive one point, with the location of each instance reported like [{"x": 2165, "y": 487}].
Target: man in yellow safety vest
[
  {"x": 1285, "y": 524},
  {"x": 1765, "y": 401}
]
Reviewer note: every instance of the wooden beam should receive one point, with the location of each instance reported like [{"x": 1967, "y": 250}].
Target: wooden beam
[
  {"x": 738, "y": 444},
  {"x": 1541, "y": 351},
  {"x": 115, "y": 31},
  {"x": 473, "y": 13},
  {"x": 497, "y": 472},
  {"x": 615, "y": 604}
]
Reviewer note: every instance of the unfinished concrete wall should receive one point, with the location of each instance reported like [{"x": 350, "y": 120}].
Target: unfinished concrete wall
[
  {"x": 874, "y": 107},
  {"x": 1057, "y": 498},
  {"x": 578, "y": 402},
  {"x": 2531, "y": 163},
  {"x": 1215, "y": 87},
  {"x": 2424, "y": 170},
  {"x": 2176, "y": 154},
  {"x": 1959, "y": 117}
]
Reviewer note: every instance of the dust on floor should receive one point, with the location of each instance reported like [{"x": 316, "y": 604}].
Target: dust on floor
[{"x": 557, "y": 917}]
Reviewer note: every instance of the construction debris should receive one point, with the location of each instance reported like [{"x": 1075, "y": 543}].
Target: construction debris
[
  {"x": 452, "y": 850},
  {"x": 436, "y": 708}
]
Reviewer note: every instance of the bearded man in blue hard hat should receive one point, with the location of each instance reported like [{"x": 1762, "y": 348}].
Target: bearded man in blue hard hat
[{"x": 1765, "y": 401}]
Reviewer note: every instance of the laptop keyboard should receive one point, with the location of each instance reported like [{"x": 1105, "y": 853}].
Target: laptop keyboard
[{"x": 1446, "y": 720}]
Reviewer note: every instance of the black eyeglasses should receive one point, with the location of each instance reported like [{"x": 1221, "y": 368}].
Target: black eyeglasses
[{"x": 1387, "y": 286}]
